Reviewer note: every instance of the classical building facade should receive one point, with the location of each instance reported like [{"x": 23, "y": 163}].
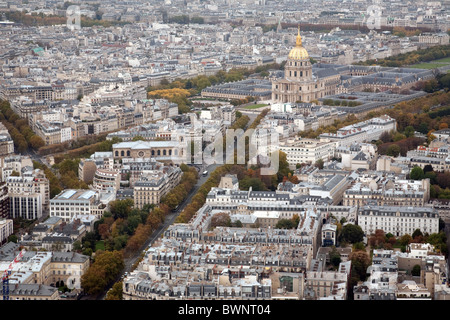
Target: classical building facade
[
  {"x": 398, "y": 220},
  {"x": 160, "y": 150}
]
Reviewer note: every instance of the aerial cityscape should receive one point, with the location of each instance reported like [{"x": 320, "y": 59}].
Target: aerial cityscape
[{"x": 227, "y": 150}]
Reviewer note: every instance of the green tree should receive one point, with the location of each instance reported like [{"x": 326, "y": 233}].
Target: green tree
[
  {"x": 116, "y": 292},
  {"x": 221, "y": 219},
  {"x": 352, "y": 233},
  {"x": 184, "y": 167},
  {"x": 121, "y": 208},
  {"x": 69, "y": 165},
  {"x": 416, "y": 173},
  {"x": 409, "y": 131},
  {"x": 13, "y": 238},
  {"x": 360, "y": 262},
  {"x": 255, "y": 183},
  {"x": 36, "y": 142},
  {"x": 393, "y": 150},
  {"x": 105, "y": 268},
  {"x": 417, "y": 233},
  {"x": 319, "y": 164},
  {"x": 358, "y": 246},
  {"x": 335, "y": 257},
  {"x": 405, "y": 239},
  {"x": 171, "y": 200},
  {"x": 398, "y": 136},
  {"x": 423, "y": 128},
  {"x": 138, "y": 138},
  {"x": 285, "y": 224},
  {"x": 283, "y": 166}
]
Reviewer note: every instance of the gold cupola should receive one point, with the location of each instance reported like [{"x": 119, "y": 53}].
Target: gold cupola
[{"x": 298, "y": 52}]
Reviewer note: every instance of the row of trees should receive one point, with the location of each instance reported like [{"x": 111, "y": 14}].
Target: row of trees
[
  {"x": 105, "y": 268},
  {"x": 19, "y": 130},
  {"x": 238, "y": 102},
  {"x": 403, "y": 32},
  {"x": 387, "y": 241},
  {"x": 419, "y": 113},
  {"x": 341, "y": 103},
  {"x": 185, "y": 19},
  {"x": 413, "y": 57},
  {"x": 199, "y": 198},
  {"x": 82, "y": 147},
  {"x": 180, "y": 192},
  {"x": 123, "y": 231}
]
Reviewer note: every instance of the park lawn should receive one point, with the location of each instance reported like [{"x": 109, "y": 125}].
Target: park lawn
[
  {"x": 256, "y": 106},
  {"x": 100, "y": 245},
  {"x": 429, "y": 65},
  {"x": 432, "y": 64},
  {"x": 442, "y": 60}
]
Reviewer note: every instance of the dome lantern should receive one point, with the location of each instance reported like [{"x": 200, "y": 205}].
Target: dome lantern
[{"x": 298, "y": 52}]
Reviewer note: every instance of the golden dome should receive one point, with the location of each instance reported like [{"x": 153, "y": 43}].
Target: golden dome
[{"x": 298, "y": 52}]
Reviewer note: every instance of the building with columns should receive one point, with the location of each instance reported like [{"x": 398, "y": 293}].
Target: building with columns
[{"x": 160, "y": 150}]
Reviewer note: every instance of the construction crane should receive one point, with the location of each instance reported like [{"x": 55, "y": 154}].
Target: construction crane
[{"x": 7, "y": 273}]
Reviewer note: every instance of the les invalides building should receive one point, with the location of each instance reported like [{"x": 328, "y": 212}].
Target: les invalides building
[{"x": 300, "y": 83}]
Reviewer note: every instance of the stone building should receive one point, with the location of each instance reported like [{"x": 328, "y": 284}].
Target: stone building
[{"x": 160, "y": 150}]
